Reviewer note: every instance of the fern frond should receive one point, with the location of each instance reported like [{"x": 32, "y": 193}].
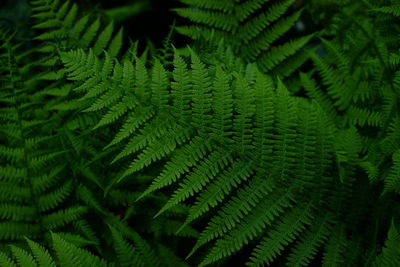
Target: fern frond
[
  {"x": 22, "y": 257},
  {"x": 256, "y": 136},
  {"x": 126, "y": 253},
  {"x": 131, "y": 124},
  {"x": 201, "y": 93},
  {"x": 103, "y": 39},
  {"x": 390, "y": 255},
  {"x": 283, "y": 234},
  {"x": 181, "y": 88},
  {"x": 183, "y": 159},
  {"x": 392, "y": 181},
  {"x": 392, "y": 10},
  {"x": 215, "y": 192},
  {"x": 305, "y": 250},
  {"x": 63, "y": 216},
  {"x": 250, "y": 227},
  {"x": 315, "y": 93},
  {"x": 252, "y": 28},
  {"x": 235, "y": 209},
  {"x": 335, "y": 247},
  {"x": 33, "y": 186},
  {"x": 157, "y": 150},
  {"x": 159, "y": 86},
  {"x": 199, "y": 177},
  {"x": 67, "y": 255}
]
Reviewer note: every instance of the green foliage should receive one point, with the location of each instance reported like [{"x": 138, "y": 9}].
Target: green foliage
[
  {"x": 390, "y": 255},
  {"x": 64, "y": 253},
  {"x": 236, "y": 150},
  {"x": 34, "y": 191},
  {"x": 253, "y": 29}
]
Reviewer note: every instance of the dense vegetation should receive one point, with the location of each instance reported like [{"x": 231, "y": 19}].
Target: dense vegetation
[{"x": 252, "y": 132}]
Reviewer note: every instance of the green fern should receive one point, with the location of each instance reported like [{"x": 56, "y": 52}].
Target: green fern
[
  {"x": 281, "y": 135},
  {"x": 390, "y": 255},
  {"x": 252, "y": 28},
  {"x": 234, "y": 168},
  {"x": 33, "y": 189},
  {"x": 66, "y": 254}
]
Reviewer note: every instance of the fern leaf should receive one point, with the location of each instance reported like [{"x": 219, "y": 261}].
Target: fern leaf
[
  {"x": 70, "y": 16},
  {"x": 265, "y": 39},
  {"x": 147, "y": 254},
  {"x": 5, "y": 261},
  {"x": 222, "y": 105},
  {"x": 215, "y": 192},
  {"x": 53, "y": 199},
  {"x": 215, "y": 19},
  {"x": 264, "y": 118},
  {"x": 392, "y": 10},
  {"x": 157, "y": 150},
  {"x": 115, "y": 44},
  {"x": 103, "y": 39},
  {"x": 284, "y": 233},
  {"x": 131, "y": 124},
  {"x": 254, "y": 26},
  {"x": 220, "y": 5},
  {"x": 142, "y": 80},
  {"x": 41, "y": 255},
  {"x": 116, "y": 112},
  {"x": 335, "y": 248},
  {"x": 150, "y": 132},
  {"x": 201, "y": 93},
  {"x": 270, "y": 59},
  {"x": 185, "y": 158},
  {"x": 23, "y": 258},
  {"x": 79, "y": 26},
  {"x": 126, "y": 253},
  {"x": 107, "y": 99},
  {"x": 242, "y": 121},
  {"x": 250, "y": 227},
  {"x": 18, "y": 230},
  {"x": 199, "y": 177},
  {"x": 159, "y": 86},
  {"x": 90, "y": 33},
  {"x": 63, "y": 216},
  {"x": 70, "y": 255},
  {"x": 128, "y": 76},
  {"x": 236, "y": 208},
  {"x": 181, "y": 89},
  {"x": 390, "y": 255},
  {"x": 305, "y": 250},
  {"x": 392, "y": 181}
]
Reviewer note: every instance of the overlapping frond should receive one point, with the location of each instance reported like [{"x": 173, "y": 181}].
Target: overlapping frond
[
  {"x": 252, "y": 28},
  {"x": 212, "y": 148},
  {"x": 33, "y": 191},
  {"x": 255, "y": 136},
  {"x": 390, "y": 254},
  {"x": 65, "y": 254}
]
